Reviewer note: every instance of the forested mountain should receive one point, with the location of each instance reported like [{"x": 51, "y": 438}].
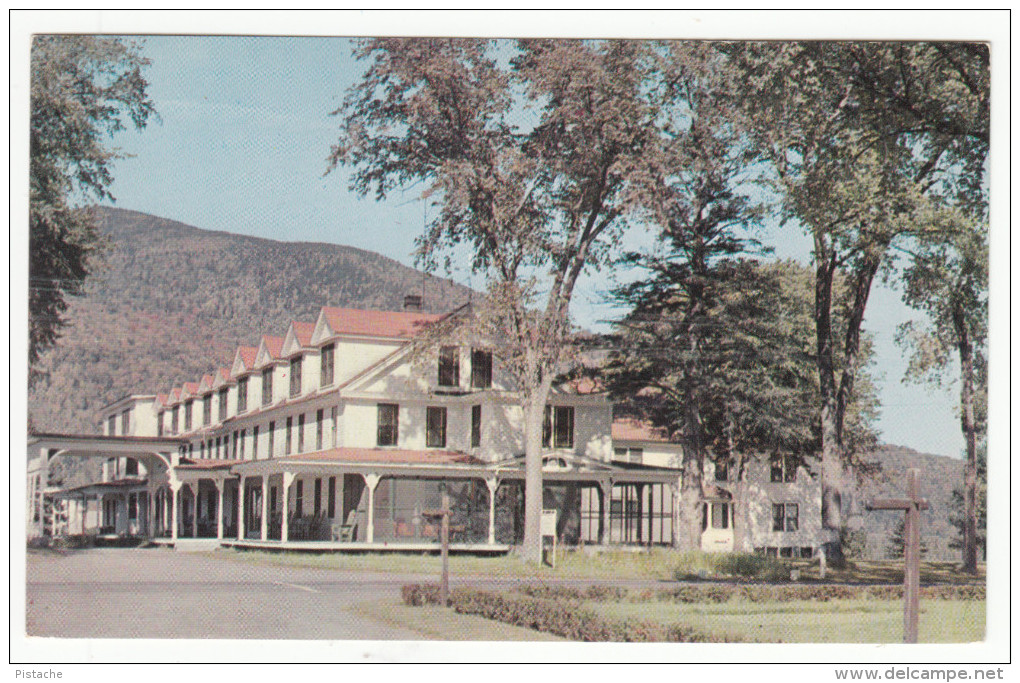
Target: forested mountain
[
  {"x": 173, "y": 302},
  {"x": 939, "y": 475}
]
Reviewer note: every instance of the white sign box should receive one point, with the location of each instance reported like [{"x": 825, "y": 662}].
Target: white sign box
[{"x": 548, "y": 522}]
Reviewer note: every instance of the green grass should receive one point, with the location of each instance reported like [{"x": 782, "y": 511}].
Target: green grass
[
  {"x": 439, "y": 623},
  {"x": 838, "y": 621},
  {"x": 655, "y": 564}
]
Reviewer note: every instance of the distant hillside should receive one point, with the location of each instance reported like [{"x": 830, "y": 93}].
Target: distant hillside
[
  {"x": 173, "y": 302},
  {"x": 939, "y": 475}
]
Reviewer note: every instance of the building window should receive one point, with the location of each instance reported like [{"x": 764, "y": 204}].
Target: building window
[
  {"x": 255, "y": 442},
  {"x": 720, "y": 516},
  {"x": 207, "y": 409},
  {"x": 481, "y": 369},
  {"x": 272, "y": 499},
  {"x": 476, "y": 426},
  {"x": 785, "y": 517},
  {"x": 271, "y": 433},
  {"x": 318, "y": 497},
  {"x": 175, "y": 414},
  {"x": 326, "y": 371},
  {"x": 131, "y": 467},
  {"x": 637, "y": 455},
  {"x": 299, "y": 499},
  {"x": 387, "y": 432},
  {"x": 159, "y": 423},
  {"x": 449, "y": 368},
  {"x": 233, "y": 452},
  {"x": 332, "y": 426},
  {"x": 301, "y": 433},
  {"x": 435, "y": 427},
  {"x": 125, "y": 422},
  {"x": 287, "y": 443},
  {"x": 223, "y": 404},
  {"x": 318, "y": 429},
  {"x": 243, "y": 440},
  {"x": 242, "y": 394},
  {"x": 267, "y": 386},
  {"x": 187, "y": 415},
  {"x": 295, "y": 376},
  {"x": 784, "y": 469},
  {"x": 111, "y": 426},
  {"x": 133, "y": 506},
  {"x": 722, "y": 470},
  {"x": 219, "y": 454},
  {"x": 331, "y": 497},
  {"x": 558, "y": 427}
]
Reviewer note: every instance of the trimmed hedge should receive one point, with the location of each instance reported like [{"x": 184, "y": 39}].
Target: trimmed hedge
[
  {"x": 571, "y": 620},
  {"x": 818, "y": 593}
]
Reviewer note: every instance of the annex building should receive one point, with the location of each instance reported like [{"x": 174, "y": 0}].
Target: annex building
[{"x": 342, "y": 433}]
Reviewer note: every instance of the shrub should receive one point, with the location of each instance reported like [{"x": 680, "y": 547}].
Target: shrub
[
  {"x": 569, "y": 619},
  {"x": 419, "y": 594},
  {"x": 701, "y": 565},
  {"x": 74, "y": 542}
]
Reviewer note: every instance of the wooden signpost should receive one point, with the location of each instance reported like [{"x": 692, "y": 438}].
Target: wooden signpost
[
  {"x": 912, "y": 506},
  {"x": 443, "y": 515}
]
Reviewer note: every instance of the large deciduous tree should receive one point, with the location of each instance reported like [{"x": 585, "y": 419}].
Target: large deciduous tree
[
  {"x": 859, "y": 137},
  {"x": 83, "y": 90},
  {"x": 535, "y": 153},
  {"x": 947, "y": 278}
]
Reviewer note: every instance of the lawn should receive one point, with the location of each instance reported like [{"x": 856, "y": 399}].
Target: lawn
[
  {"x": 838, "y": 621},
  {"x": 655, "y": 564}
]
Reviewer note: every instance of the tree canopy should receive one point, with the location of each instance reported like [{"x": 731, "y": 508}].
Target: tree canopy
[{"x": 84, "y": 89}]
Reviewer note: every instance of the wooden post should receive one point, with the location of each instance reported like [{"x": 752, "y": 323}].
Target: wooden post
[
  {"x": 444, "y": 582},
  {"x": 912, "y": 506}
]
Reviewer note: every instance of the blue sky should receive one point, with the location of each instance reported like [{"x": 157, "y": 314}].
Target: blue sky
[{"x": 242, "y": 145}]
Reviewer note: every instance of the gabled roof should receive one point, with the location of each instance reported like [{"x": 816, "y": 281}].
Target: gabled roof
[
  {"x": 298, "y": 337},
  {"x": 175, "y": 395},
  {"x": 206, "y": 384},
  {"x": 387, "y": 324},
  {"x": 221, "y": 377},
  {"x": 190, "y": 390},
  {"x": 161, "y": 399},
  {"x": 244, "y": 360},
  {"x": 270, "y": 349}
]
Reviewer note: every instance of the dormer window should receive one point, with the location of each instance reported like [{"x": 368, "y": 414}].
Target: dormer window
[
  {"x": 722, "y": 470},
  {"x": 326, "y": 359},
  {"x": 295, "y": 376},
  {"x": 125, "y": 422},
  {"x": 449, "y": 368},
  {"x": 783, "y": 469},
  {"x": 207, "y": 409},
  {"x": 187, "y": 414},
  {"x": 111, "y": 426},
  {"x": 267, "y": 386},
  {"x": 159, "y": 423},
  {"x": 242, "y": 394},
  {"x": 174, "y": 414},
  {"x": 481, "y": 369},
  {"x": 223, "y": 404}
]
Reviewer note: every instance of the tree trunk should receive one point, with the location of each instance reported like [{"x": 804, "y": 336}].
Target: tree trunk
[
  {"x": 970, "y": 435},
  {"x": 832, "y": 456},
  {"x": 691, "y": 486},
  {"x": 534, "y": 415},
  {"x": 741, "y": 517}
]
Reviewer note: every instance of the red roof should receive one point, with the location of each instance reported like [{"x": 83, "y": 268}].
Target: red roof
[
  {"x": 303, "y": 332},
  {"x": 191, "y": 387},
  {"x": 273, "y": 344},
  {"x": 175, "y": 394},
  {"x": 189, "y": 463},
  {"x": 248, "y": 354},
  {"x": 395, "y": 456},
  {"x": 353, "y": 321},
  {"x": 585, "y": 385},
  {"x": 161, "y": 399},
  {"x": 207, "y": 380},
  {"x": 225, "y": 374},
  {"x": 631, "y": 429}
]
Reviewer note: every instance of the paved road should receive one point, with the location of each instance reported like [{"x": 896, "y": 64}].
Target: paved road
[{"x": 158, "y": 593}]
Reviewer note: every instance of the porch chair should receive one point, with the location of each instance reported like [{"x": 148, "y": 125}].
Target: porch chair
[{"x": 344, "y": 531}]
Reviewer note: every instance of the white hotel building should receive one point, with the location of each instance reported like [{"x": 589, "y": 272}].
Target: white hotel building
[{"x": 339, "y": 435}]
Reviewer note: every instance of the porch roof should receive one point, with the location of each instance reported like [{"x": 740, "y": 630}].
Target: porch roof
[
  {"x": 116, "y": 486},
  {"x": 385, "y": 456},
  {"x": 211, "y": 464}
]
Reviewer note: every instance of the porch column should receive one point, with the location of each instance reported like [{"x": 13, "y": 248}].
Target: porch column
[
  {"x": 371, "y": 481},
  {"x": 175, "y": 488},
  {"x": 194, "y": 510},
  {"x": 606, "y": 489},
  {"x": 150, "y": 520},
  {"x": 492, "y": 484},
  {"x": 240, "y": 508},
  {"x": 41, "y": 484},
  {"x": 220, "y": 485},
  {"x": 640, "y": 490},
  {"x": 265, "y": 507},
  {"x": 288, "y": 479},
  {"x": 674, "y": 489}
]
